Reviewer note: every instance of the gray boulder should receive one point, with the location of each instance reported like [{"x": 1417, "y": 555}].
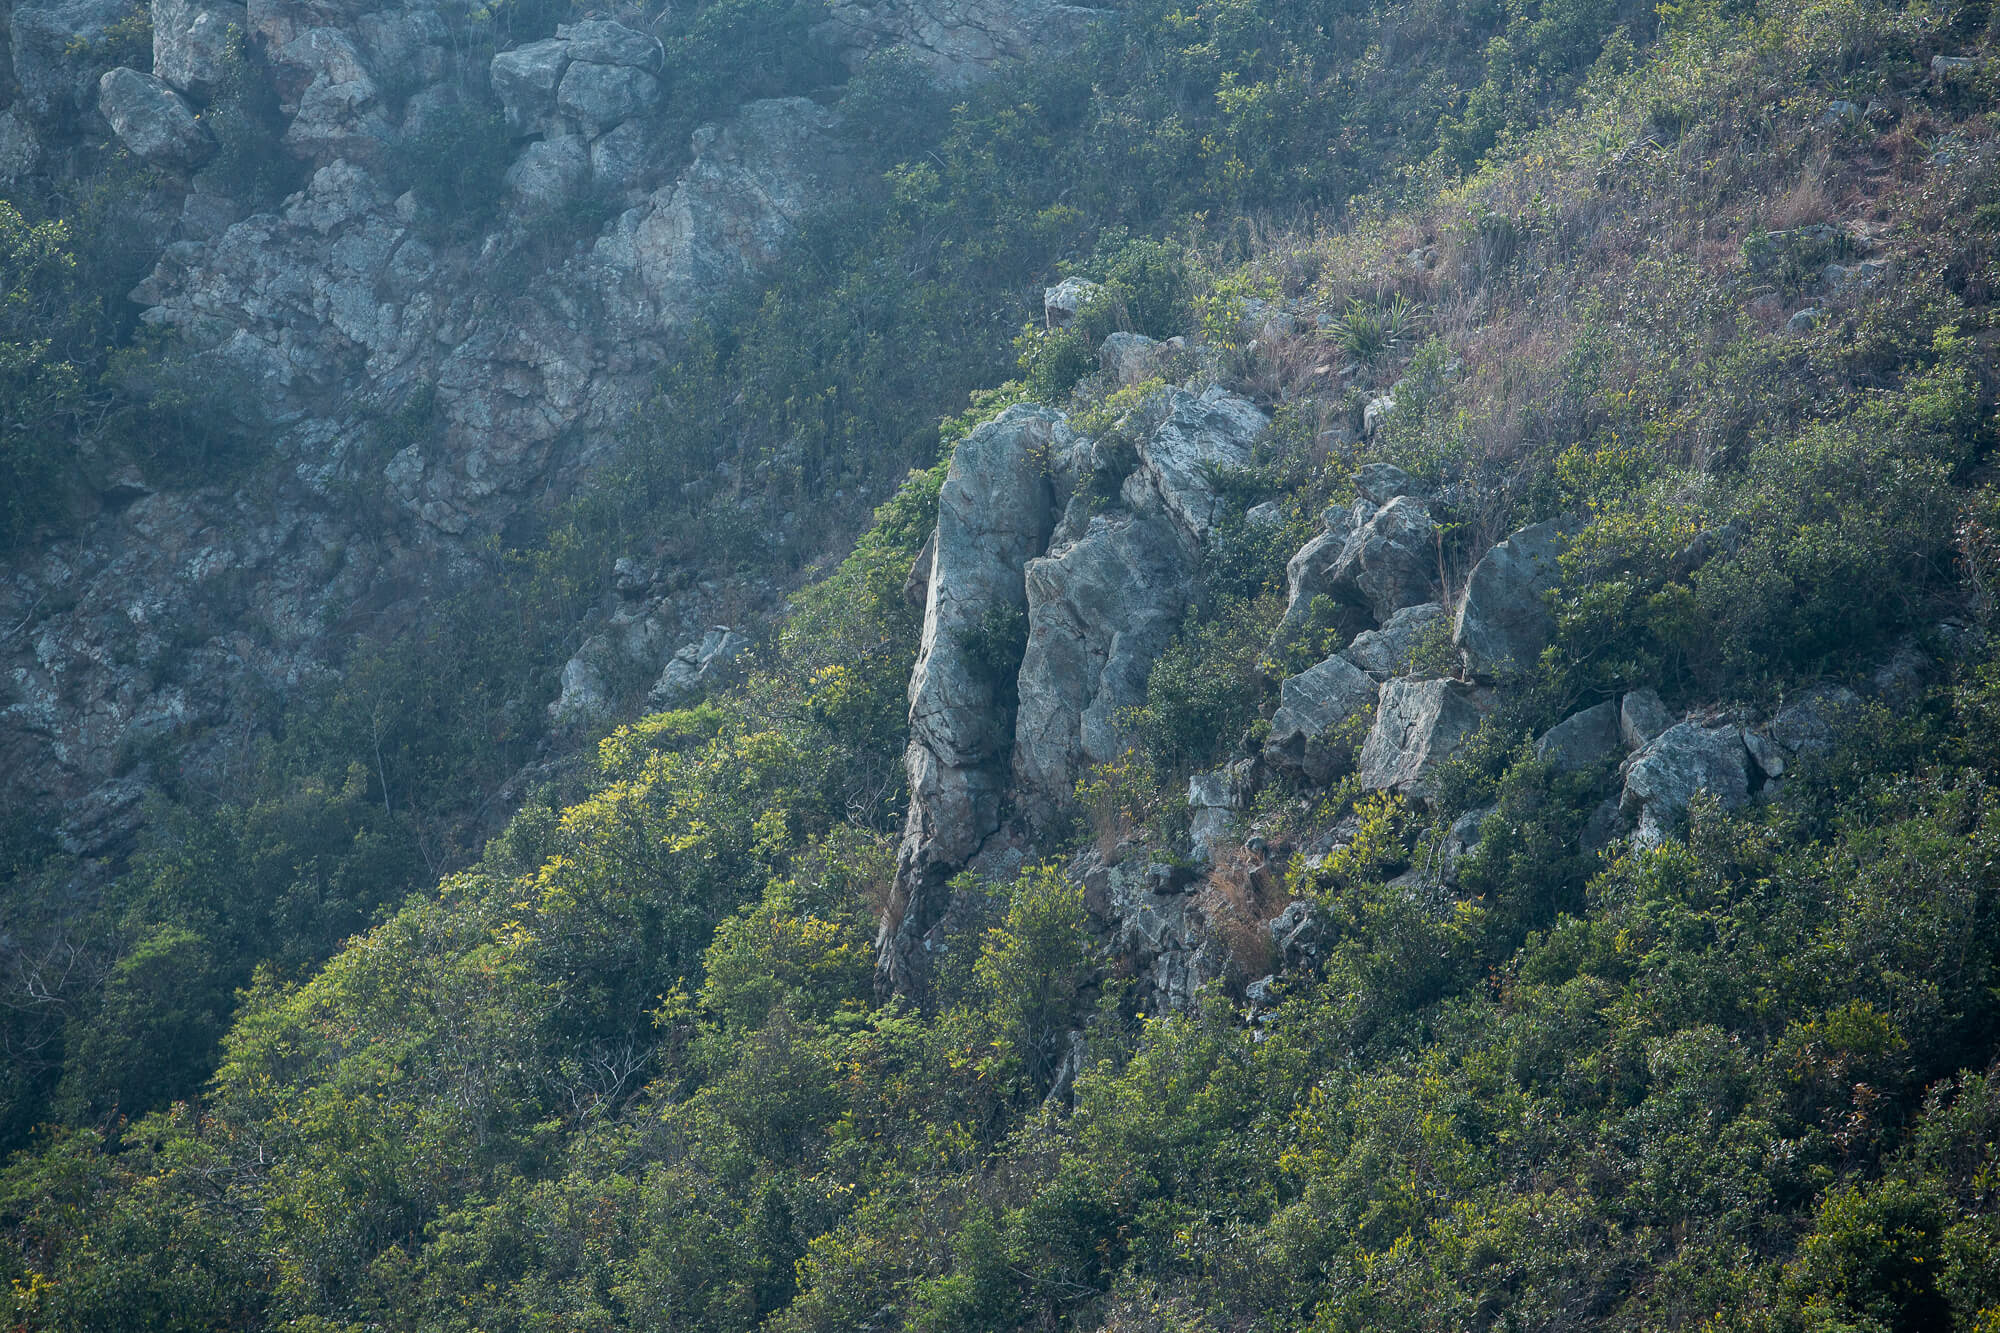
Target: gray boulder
[
  {"x": 1379, "y": 483},
  {"x": 1101, "y": 610},
  {"x": 605, "y": 43},
  {"x": 1503, "y": 623},
  {"x": 1201, "y": 432},
  {"x": 1386, "y": 652},
  {"x": 600, "y": 96},
  {"x": 1310, "y": 705},
  {"x": 549, "y": 173},
  {"x": 1641, "y": 716},
  {"x": 1582, "y": 740},
  {"x": 20, "y": 150},
  {"x": 55, "y": 61},
  {"x": 699, "y": 667},
  {"x": 1213, "y": 800},
  {"x": 1811, "y": 723},
  {"x": 1685, "y": 759},
  {"x": 621, "y": 157},
  {"x": 1308, "y": 572},
  {"x": 152, "y": 120},
  {"x": 1296, "y": 935},
  {"x": 191, "y": 42},
  {"x": 1418, "y": 726},
  {"x": 1389, "y": 561},
  {"x": 1132, "y": 358},
  {"x": 1062, "y": 302},
  {"x": 525, "y": 80}
]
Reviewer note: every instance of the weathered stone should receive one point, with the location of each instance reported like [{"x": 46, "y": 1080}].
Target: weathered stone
[
  {"x": 697, "y": 668},
  {"x": 959, "y": 42},
  {"x": 20, "y": 150},
  {"x": 1389, "y": 561},
  {"x": 338, "y": 114},
  {"x": 1804, "y": 321},
  {"x": 1376, "y": 413},
  {"x": 191, "y": 42},
  {"x": 549, "y": 173},
  {"x": 1811, "y": 723},
  {"x": 1641, "y": 716},
  {"x": 1129, "y": 358},
  {"x": 1212, "y": 804},
  {"x": 1582, "y": 741},
  {"x": 1899, "y": 682},
  {"x": 1266, "y": 514},
  {"x": 1295, "y": 935},
  {"x": 525, "y": 80},
  {"x": 152, "y": 120},
  {"x": 1503, "y": 623},
  {"x": 1062, "y": 302},
  {"x": 1100, "y": 612},
  {"x": 600, "y": 96},
  {"x": 621, "y": 157},
  {"x": 1681, "y": 761},
  {"x": 995, "y": 512},
  {"x": 1418, "y": 725},
  {"x": 1201, "y": 433},
  {"x": 605, "y": 43},
  {"x": 56, "y": 60},
  {"x": 1307, "y": 573},
  {"x": 1379, "y": 483},
  {"x": 1164, "y": 938},
  {"x": 1386, "y": 652},
  {"x": 1310, "y": 706}
]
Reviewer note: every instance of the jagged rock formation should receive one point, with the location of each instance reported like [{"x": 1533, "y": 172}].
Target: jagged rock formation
[
  {"x": 1418, "y": 724},
  {"x": 1097, "y": 595},
  {"x": 957, "y": 41},
  {"x": 995, "y": 512},
  {"x": 1311, "y": 705},
  {"x": 350, "y": 305}
]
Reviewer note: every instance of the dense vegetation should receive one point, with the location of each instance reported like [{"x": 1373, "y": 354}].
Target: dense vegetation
[{"x": 627, "y": 1068}]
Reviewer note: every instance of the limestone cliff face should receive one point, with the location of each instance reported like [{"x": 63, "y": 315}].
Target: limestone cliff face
[
  {"x": 352, "y": 303},
  {"x": 1100, "y": 591}
]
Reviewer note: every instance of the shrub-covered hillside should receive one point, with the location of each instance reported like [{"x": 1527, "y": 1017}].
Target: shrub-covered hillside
[{"x": 1539, "y": 1041}]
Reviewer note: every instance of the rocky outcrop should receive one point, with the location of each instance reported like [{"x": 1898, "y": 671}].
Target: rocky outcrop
[
  {"x": 699, "y": 667},
  {"x": 1201, "y": 434},
  {"x": 1312, "y": 707},
  {"x": 57, "y": 63},
  {"x": 152, "y": 120},
  {"x": 1387, "y": 651},
  {"x": 1163, "y": 937},
  {"x": 291, "y": 303},
  {"x": 995, "y": 513},
  {"x": 1094, "y": 598},
  {"x": 1503, "y": 621},
  {"x": 1101, "y": 610},
  {"x": 1419, "y": 724},
  {"x": 191, "y": 42},
  {"x": 1374, "y": 560},
  {"x": 1663, "y": 778},
  {"x": 1582, "y": 741},
  {"x": 1641, "y": 716},
  {"x": 958, "y": 42}
]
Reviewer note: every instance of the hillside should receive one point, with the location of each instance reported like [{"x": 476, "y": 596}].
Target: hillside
[{"x": 1350, "y": 683}]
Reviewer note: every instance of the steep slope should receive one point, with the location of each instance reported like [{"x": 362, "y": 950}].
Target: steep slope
[{"x": 1457, "y": 793}]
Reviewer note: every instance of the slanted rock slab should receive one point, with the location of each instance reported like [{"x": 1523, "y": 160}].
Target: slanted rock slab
[
  {"x": 1311, "y": 705},
  {"x": 1503, "y": 623},
  {"x": 1418, "y": 726},
  {"x": 1582, "y": 740}
]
